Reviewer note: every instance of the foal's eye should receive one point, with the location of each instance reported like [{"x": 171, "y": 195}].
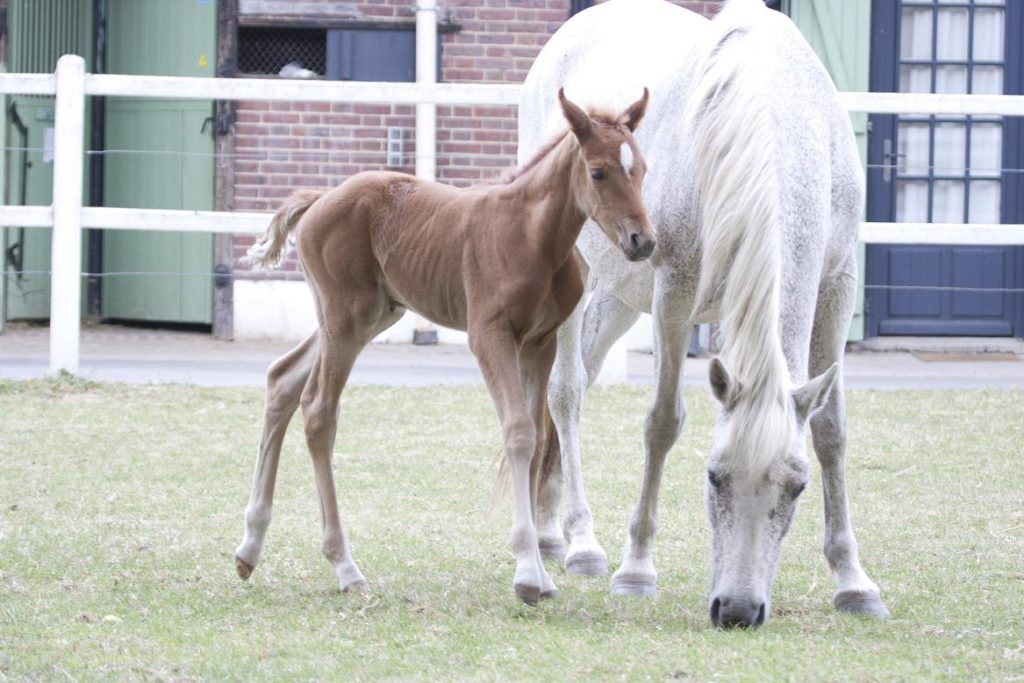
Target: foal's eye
[
  {"x": 598, "y": 174},
  {"x": 797, "y": 490},
  {"x": 713, "y": 479}
]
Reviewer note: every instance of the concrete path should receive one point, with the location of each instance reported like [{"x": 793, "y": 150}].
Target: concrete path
[{"x": 113, "y": 353}]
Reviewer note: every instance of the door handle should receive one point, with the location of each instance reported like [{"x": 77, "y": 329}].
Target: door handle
[{"x": 888, "y": 157}]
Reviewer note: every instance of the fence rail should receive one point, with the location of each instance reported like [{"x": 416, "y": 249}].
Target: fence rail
[{"x": 70, "y": 84}]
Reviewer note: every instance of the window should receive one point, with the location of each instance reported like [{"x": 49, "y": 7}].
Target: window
[
  {"x": 266, "y": 51},
  {"x": 358, "y": 54}
]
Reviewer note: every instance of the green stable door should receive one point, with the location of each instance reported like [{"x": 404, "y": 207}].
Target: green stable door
[
  {"x": 39, "y": 32},
  {"x": 159, "y": 156},
  {"x": 840, "y": 33}
]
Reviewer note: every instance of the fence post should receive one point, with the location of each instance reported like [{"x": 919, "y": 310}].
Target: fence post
[
  {"x": 66, "y": 276},
  {"x": 424, "y": 332}
]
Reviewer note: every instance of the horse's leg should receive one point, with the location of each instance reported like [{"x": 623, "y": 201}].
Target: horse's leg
[
  {"x": 496, "y": 351},
  {"x": 535, "y": 362},
  {"x": 568, "y": 382},
  {"x": 348, "y": 321},
  {"x": 583, "y": 343},
  {"x": 636, "y": 575},
  {"x": 607, "y": 318},
  {"x": 855, "y": 591},
  {"x": 285, "y": 379}
]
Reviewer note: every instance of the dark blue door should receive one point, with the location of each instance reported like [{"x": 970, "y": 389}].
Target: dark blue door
[{"x": 945, "y": 169}]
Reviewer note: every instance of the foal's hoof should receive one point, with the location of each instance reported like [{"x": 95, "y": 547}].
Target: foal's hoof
[
  {"x": 243, "y": 568},
  {"x": 552, "y": 549},
  {"x": 868, "y": 603},
  {"x": 528, "y": 594},
  {"x": 634, "y": 585},
  {"x": 586, "y": 563}
]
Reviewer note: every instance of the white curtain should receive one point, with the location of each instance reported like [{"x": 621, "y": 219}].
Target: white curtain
[{"x": 946, "y": 148}]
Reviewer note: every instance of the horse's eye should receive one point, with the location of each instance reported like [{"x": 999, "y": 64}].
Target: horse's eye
[
  {"x": 713, "y": 479},
  {"x": 798, "y": 490},
  {"x": 598, "y": 174}
]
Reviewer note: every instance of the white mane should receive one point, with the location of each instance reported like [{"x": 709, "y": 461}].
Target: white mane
[{"x": 737, "y": 198}]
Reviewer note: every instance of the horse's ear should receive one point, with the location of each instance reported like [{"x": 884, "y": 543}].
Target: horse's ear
[
  {"x": 722, "y": 383},
  {"x": 813, "y": 395},
  {"x": 581, "y": 125},
  {"x": 631, "y": 117}
]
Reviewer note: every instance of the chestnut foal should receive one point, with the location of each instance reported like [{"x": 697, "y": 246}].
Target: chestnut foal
[{"x": 495, "y": 260}]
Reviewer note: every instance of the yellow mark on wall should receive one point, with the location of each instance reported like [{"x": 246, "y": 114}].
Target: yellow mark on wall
[{"x": 202, "y": 60}]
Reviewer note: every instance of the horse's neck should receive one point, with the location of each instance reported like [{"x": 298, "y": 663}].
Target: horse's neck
[{"x": 547, "y": 203}]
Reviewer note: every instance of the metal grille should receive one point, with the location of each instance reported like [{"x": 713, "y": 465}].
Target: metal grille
[
  {"x": 268, "y": 50},
  {"x": 43, "y": 30}
]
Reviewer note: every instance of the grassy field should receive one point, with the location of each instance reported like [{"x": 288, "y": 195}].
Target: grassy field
[{"x": 120, "y": 508}]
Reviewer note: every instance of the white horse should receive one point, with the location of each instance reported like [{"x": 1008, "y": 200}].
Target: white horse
[{"x": 755, "y": 189}]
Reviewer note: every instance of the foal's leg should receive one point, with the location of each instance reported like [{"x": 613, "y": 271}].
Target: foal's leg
[
  {"x": 497, "y": 353},
  {"x": 855, "y": 591},
  {"x": 636, "y": 574},
  {"x": 535, "y": 364},
  {"x": 349, "y": 320},
  {"x": 285, "y": 379},
  {"x": 583, "y": 343}
]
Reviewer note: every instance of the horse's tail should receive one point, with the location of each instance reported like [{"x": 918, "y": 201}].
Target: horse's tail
[
  {"x": 269, "y": 250},
  {"x": 732, "y": 132}
]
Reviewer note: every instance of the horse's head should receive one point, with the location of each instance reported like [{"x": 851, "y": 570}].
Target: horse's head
[
  {"x": 757, "y": 470},
  {"x": 610, "y": 174}
]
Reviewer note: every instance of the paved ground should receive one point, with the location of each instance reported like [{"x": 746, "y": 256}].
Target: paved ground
[{"x": 136, "y": 355}]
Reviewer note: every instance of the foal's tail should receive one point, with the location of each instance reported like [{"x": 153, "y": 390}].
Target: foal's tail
[
  {"x": 546, "y": 463},
  {"x": 270, "y": 249}
]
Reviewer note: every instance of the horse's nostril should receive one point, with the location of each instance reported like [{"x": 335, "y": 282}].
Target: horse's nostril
[
  {"x": 726, "y": 613},
  {"x": 634, "y": 239}
]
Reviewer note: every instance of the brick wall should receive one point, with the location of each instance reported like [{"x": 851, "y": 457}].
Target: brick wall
[{"x": 283, "y": 146}]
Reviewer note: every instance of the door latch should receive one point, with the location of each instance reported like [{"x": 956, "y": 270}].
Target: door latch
[{"x": 888, "y": 157}]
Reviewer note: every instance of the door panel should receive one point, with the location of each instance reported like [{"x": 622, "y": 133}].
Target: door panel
[
  {"x": 915, "y": 266},
  {"x": 942, "y": 169},
  {"x": 39, "y": 32},
  {"x": 159, "y": 156}
]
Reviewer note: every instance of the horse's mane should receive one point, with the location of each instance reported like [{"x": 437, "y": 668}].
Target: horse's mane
[
  {"x": 733, "y": 131},
  {"x": 601, "y": 117}
]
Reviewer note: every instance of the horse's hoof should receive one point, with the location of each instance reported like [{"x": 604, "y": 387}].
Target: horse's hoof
[
  {"x": 528, "y": 594},
  {"x": 357, "y": 586},
  {"x": 868, "y": 603},
  {"x": 587, "y": 563},
  {"x": 243, "y": 568},
  {"x": 552, "y": 549},
  {"x": 550, "y": 594},
  {"x": 635, "y": 585}
]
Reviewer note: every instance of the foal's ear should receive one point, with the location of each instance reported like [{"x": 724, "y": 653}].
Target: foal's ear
[
  {"x": 578, "y": 120},
  {"x": 722, "y": 384},
  {"x": 813, "y": 395},
  {"x": 631, "y": 117}
]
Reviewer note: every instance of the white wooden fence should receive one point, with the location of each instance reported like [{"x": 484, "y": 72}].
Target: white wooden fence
[{"x": 70, "y": 84}]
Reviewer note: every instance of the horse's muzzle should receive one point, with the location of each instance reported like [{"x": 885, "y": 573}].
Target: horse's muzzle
[{"x": 732, "y": 613}]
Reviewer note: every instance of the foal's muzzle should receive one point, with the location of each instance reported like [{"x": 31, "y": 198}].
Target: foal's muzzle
[{"x": 637, "y": 245}]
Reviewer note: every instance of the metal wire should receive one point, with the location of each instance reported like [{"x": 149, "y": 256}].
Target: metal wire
[
  {"x": 298, "y": 274},
  {"x": 335, "y": 154}
]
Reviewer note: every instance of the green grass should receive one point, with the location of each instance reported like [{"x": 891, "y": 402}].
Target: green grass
[{"x": 120, "y": 508}]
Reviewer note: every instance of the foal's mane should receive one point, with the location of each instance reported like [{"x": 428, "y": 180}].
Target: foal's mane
[{"x": 601, "y": 117}]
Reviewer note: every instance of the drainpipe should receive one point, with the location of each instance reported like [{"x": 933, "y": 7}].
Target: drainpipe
[
  {"x": 426, "y": 123},
  {"x": 94, "y": 239}
]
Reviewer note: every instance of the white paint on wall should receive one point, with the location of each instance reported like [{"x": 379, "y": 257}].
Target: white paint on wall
[{"x": 279, "y": 309}]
